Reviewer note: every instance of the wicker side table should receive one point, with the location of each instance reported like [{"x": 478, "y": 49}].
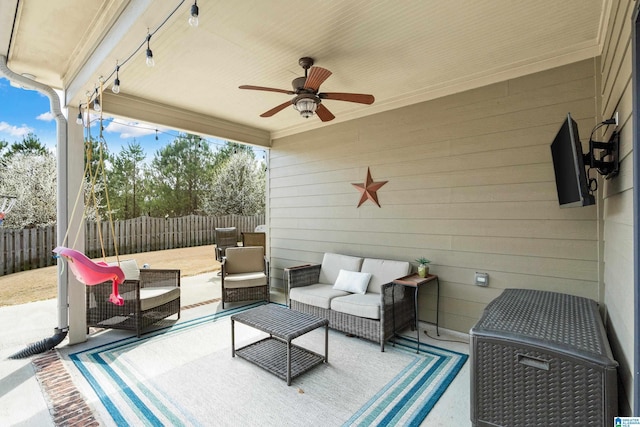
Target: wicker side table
[{"x": 276, "y": 353}]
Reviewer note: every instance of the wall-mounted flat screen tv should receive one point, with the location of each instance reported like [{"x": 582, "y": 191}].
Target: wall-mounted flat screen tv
[{"x": 568, "y": 164}]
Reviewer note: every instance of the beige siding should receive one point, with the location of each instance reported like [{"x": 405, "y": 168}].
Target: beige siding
[
  {"x": 616, "y": 93},
  {"x": 470, "y": 186}
]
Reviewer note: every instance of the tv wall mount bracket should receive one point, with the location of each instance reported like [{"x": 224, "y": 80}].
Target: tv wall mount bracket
[{"x": 604, "y": 156}]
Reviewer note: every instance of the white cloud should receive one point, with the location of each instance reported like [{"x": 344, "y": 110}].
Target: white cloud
[
  {"x": 46, "y": 117},
  {"x": 14, "y": 130},
  {"x": 130, "y": 129}
]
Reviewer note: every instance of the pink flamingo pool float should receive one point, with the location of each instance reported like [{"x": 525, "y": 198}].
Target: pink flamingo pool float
[{"x": 91, "y": 273}]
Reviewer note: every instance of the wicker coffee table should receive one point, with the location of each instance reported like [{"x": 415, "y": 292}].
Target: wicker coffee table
[{"x": 276, "y": 353}]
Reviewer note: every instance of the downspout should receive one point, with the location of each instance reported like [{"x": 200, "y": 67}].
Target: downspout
[
  {"x": 60, "y": 332},
  {"x": 635, "y": 406}
]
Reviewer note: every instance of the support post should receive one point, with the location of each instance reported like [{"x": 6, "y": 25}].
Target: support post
[{"x": 73, "y": 155}]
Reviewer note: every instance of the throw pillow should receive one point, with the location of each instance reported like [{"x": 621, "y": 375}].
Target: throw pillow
[{"x": 352, "y": 281}]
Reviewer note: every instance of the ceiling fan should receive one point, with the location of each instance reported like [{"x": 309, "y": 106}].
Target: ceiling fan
[{"x": 308, "y": 100}]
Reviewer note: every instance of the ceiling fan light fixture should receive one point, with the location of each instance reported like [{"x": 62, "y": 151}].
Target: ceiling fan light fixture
[{"x": 306, "y": 106}]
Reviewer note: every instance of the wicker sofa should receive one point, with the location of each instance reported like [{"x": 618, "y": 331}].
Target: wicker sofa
[{"x": 374, "y": 315}]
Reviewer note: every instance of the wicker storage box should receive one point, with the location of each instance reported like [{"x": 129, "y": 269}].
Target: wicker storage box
[{"x": 541, "y": 359}]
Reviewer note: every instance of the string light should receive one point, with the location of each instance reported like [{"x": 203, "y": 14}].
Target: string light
[
  {"x": 79, "y": 118},
  {"x": 96, "y": 103},
  {"x": 149, "y": 54},
  {"x": 116, "y": 83},
  {"x": 150, "y": 61},
  {"x": 193, "y": 19}
]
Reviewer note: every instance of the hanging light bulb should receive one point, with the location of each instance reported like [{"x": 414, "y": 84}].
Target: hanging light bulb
[
  {"x": 79, "y": 118},
  {"x": 193, "y": 19},
  {"x": 150, "y": 61},
  {"x": 96, "y": 103},
  {"x": 116, "y": 83}
]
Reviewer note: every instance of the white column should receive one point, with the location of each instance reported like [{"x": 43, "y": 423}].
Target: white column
[{"x": 74, "y": 176}]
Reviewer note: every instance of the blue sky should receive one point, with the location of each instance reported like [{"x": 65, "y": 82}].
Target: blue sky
[{"x": 23, "y": 111}]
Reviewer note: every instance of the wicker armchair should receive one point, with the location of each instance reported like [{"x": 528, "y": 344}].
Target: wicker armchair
[
  {"x": 245, "y": 275},
  {"x": 152, "y": 297},
  {"x": 225, "y": 238}
]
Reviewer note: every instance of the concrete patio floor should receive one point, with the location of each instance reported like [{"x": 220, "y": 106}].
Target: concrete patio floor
[{"x": 26, "y": 401}]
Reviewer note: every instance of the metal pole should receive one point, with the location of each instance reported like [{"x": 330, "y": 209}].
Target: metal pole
[{"x": 636, "y": 214}]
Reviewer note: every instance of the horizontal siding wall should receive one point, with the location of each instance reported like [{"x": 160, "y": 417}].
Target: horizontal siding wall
[
  {"x": 470, "y": 186},
  {"x": 617, "y": 95}
]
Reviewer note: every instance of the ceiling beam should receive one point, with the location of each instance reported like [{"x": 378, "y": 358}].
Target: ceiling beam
[{"x": 127, "y": 106}]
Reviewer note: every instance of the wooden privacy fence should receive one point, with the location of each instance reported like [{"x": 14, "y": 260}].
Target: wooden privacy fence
[{"x": 31, "y": 248}]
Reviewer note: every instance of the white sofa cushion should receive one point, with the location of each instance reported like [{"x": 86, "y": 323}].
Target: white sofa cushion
[
  {"x": 318, "y": 295},
  {"x": 383, "y": 271},
  {"x": 352, "y": 281},
  {"x": 333, "y": 263},
  {"x": 367, "y": 305}
]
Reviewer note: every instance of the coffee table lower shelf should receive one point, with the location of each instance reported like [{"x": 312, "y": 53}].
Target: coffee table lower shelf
[{"x": 271, "y": 355}]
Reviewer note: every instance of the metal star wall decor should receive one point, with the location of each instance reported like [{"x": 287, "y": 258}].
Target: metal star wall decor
[{"x": 368, "y": 189}]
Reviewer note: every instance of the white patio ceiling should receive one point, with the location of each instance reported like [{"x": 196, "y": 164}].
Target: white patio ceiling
[{"x": 402, "y": 52}]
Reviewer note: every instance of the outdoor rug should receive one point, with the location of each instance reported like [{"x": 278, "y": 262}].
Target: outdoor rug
[{"x": 185, "y": 375}]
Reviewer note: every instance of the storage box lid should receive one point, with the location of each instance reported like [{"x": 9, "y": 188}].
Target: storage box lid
[{"x": 550, "y": 320}]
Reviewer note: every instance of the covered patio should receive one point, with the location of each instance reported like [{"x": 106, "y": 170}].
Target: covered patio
[{"x": 468, "y": 98}]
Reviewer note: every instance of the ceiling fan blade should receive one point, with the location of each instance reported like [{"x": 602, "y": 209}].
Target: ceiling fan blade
[
  {"x": 324, "y": 114},
  {"x": 317, "y": 75},
  {"x": 276, "y": 109},
  {"x": 351, "y": 97},
  {"x": 268, "y": 89}
]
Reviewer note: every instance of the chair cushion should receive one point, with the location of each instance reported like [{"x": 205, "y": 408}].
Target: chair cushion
[
  {"x": 318, "y": 295},
  {"x": 244, "y": 260},
  {"x": 367, "y": 305},
  {"x": 129, "y": 267},
  {"x": 152, "y": 297},
  {"x": 383, "y": 271},
  {"x": 352, "y": 281},
  {"x": 245, "y": 280},
  {"x": 333, "y": 263}
]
